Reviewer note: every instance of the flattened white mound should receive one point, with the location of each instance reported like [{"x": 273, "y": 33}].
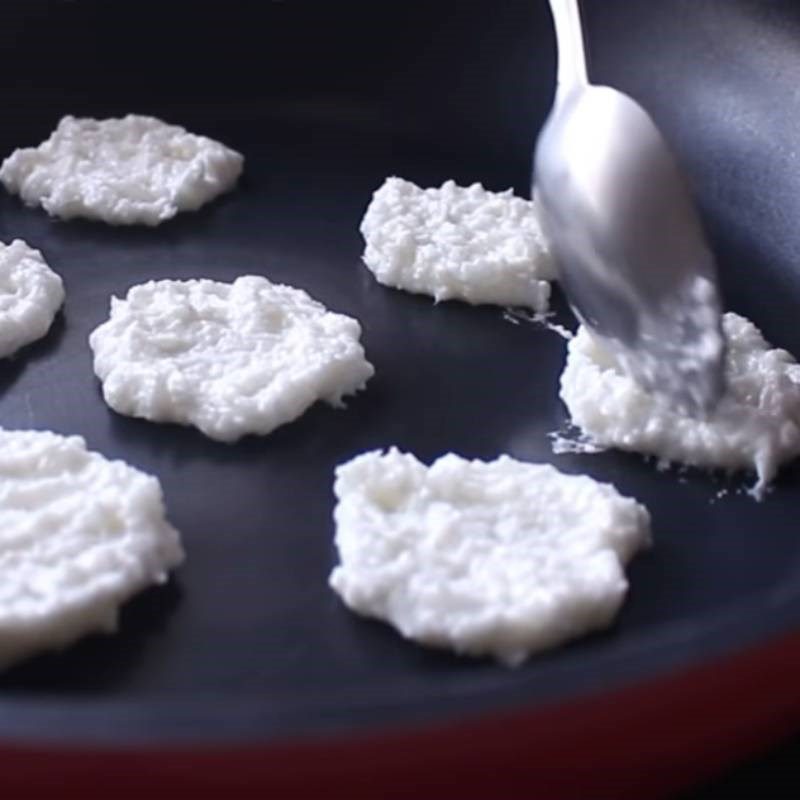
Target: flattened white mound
[
  {"x": 133, "y": 170},
  {"x": 79, "y": 535},
  {"x": 229, "y": 358},
  {"x": 756, "y": 426},
  {"x": 30, "y": 295},
  {"x": 501, "y": 558},
  {"x": 458, "y": 243}
]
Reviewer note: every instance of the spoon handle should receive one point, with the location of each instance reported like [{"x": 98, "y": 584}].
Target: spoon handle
[{"x": 569, "y": 36}]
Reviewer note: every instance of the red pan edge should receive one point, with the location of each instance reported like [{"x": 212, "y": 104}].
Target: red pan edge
[{"x": 686, "y": 726}]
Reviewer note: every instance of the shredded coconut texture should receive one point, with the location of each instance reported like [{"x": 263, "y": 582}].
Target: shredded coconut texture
[
  {"x": 756, "y": 425},
  {"x": 79, "y": 535},
  {"x": 229, "y": 358},
  {"x": 30, "y": 295},
  {"x": 501, "y": 558},
  {"x": 133, "y": 170},
  {"x": 458, "y": 243}
]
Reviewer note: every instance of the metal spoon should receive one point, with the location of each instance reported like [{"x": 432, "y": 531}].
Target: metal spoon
[{"x": 632, "y": 255}]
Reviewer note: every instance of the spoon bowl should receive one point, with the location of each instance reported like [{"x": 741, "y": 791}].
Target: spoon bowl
[{"x": 633, "y": 258}]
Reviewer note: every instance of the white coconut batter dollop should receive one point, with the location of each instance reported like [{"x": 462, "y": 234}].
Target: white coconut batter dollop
[
  {"x": 79, "y": 535},
  {"x": 131, "y": 170},
  {"x": 229, "y": 358},
  {"x": 453, "y": 242},
  {"x": 30, "y": 296},
  {"x": 502, "y": 558},
  {"x": 756, "y": 426}
]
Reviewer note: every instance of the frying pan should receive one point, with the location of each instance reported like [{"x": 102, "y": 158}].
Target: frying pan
[{"x": 245, "y": 670}]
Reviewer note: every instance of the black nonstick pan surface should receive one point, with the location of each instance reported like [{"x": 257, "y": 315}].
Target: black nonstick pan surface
[{"x": 247, "y": 643}]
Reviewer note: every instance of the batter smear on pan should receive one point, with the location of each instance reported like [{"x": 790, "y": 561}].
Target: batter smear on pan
[
  {"x": 756, "y": 425},
  {"x": 501, "y": 558},
  {"x": 30, "y": 296},
  {"x": 229, "y": 358},
  {"x": 79, "y": 535},
  {"x": 134, "y": 170},
  {"x": 454, "y": 242}
]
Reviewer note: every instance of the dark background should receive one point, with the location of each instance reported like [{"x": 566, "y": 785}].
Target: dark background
[{"x": 325, "y": 99}]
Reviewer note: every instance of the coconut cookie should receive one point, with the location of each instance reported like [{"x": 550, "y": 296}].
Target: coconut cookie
[
  {"x": 30, "y": 296},
  {"x": 79, "y": 535},
  {"x": 458, "y": 243},
  {"x": 133, "y": 170},
  {"x": 756, "y": 425},
  {"x": 229, "y": 358},
  {"x": 501, "y": 558}
]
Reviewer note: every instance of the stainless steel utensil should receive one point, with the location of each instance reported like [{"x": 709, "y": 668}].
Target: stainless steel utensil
[{"x": 633, "y": 257}]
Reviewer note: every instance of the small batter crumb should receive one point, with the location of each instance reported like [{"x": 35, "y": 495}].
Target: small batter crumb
[
  {"x": 462, "y": 243},
  {"x": 79, "y": 535},
  {"x": 755, "y": 427},
  {"x": 573, "y": 441},
  {"x": 30, "y": 296},
  {"x": 133, "y": 170},
  {"x": 516, "y": 315},
  {"x": 501, "y": 558},
  {"x": 229, "y": 358}
]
